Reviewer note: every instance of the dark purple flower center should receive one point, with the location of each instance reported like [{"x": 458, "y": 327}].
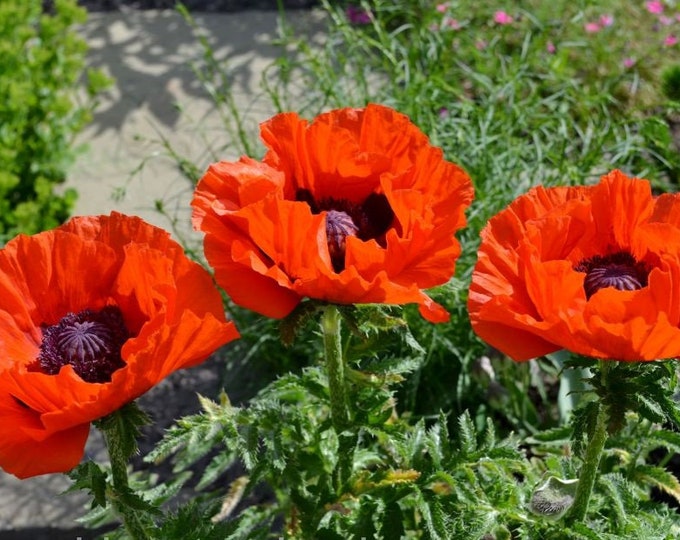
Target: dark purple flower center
[
  {"x": 368, "y": 220},
  {"x": 90, "y": 341},
  {"x": 618, "y": 270}
]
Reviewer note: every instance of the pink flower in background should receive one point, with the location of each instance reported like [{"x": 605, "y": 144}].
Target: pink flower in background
[
  {"x": 453, "y": 24},
  {"x": 357, "y": 15},
  {"x": 628, "y": 62},
  {"x": 666, "y": 21},
  {"x": 443, "y": 112},
  {"x": 655, "y": 7},
  {"x": 670, "y": 40},
  {"x": 501, "y": 17},
  {"x": 677, "y": 17},
  {"x": 550, "y": 47},
  {"x": 606, "y": 20},
  {"x": 591, "y": 27},
  {"x": 481, "y": 45},
  {"x": 441, "y": 8}
]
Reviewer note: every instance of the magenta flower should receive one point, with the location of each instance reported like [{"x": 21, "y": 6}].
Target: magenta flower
[
  {"x": 358, "y": 15},
  {"x": 550, "y": 47},
  {"x": 606, "y": 20},
  {"x": 628, "y": 62},
  {"x": 655, "y": 7},
  {"x": 591, "y": 27},
  {"x": 501, "y": 17},
  {"x": 453, "y": 24},
  {"x": 441, "y": 8},
  {"x": 670, "y": 40}
]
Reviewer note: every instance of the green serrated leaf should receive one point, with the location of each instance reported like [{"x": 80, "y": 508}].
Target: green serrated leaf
[
  {"x": 467, "y": 435},
  {"x": 193, "y": 522},
  {"x": 581, "y": 531},
  {"x": 650, "y": 409},
  {"x": 293, "y": 323},
  {"x": 582, "y": 422},
  {"x": 433, "y": 516},
  {"x": 658, "y": 477},
  {"x": 90, "y": 477},
  {"x": 131, "y": 499},
  {"x": 392, "y": 521},
  {"x": 619, "y": 495},
  {"x": 668, "y": 439},
  {"x": 364, "y": 525},
  {"x": 558, "y": 434},
  {"x": 671, "y": 409},
  {"x": 125, "y": 423}
]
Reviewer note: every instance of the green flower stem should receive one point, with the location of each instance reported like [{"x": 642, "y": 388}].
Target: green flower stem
[
  {"x": 337, "y": 387},
  {"x": 131, "y": 517},
  {"x": 591, "y": 462},
  {"x": 335, "y": 366}
]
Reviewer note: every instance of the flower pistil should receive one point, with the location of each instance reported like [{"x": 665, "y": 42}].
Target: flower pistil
[
  {"x": 89, "y": 341},
  {"x": 368, "y": 220},
  {"x": 619, "y": 270}
]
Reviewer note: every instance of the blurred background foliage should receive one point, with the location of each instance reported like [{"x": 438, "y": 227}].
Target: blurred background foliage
[{"x": 42, "y": 108}]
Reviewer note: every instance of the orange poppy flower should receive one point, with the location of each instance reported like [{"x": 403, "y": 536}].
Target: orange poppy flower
[
  {"x": 355, "y": 207},
  {"x": 92, "y": 315},
  {"x": 594, "y": 270}
]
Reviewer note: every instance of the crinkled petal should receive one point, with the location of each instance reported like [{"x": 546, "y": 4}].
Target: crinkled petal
[
  {"x": 527, "y": 297},
  {"x": 26, "y": 449},
  {"x": 169, "y": 303},
  {"x": 271, "y": 250}
]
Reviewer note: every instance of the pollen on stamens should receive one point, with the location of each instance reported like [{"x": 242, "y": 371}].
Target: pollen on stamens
[{"x": 89, "y": 341}]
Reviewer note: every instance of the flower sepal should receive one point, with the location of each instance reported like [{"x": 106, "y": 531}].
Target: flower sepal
[{"x": 124, "y": 425}]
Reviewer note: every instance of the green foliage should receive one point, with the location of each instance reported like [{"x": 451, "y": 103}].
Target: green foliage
[
  {"x": 126, "y": 423},
  {"x": 513, "y": 114},
  {"x": 670, "y": 82},
  {"x": 89, "y": 476},
  {"x": 42, "y": 60},
  {"x": 446, "y": 438}
]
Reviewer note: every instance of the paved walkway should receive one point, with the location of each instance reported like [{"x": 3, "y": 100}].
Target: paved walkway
[{"x": 156, "y": 96}]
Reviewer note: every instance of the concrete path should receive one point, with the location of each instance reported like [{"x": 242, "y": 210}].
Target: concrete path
[{"x": 156, "y": 97}]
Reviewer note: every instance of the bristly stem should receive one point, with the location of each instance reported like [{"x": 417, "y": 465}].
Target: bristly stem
[
  {"x": 335, "y": 367},
  {"x": 337, "y": 388},
  {"x": 116, "y": 443},
  {"x": 591, "y": 461}
]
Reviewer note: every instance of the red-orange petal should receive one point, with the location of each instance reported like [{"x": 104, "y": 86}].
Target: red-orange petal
[
  {"x": 527, "y": 297},
  {"x": 169, "y": 304},
  {"x": 277, "y": 240},
  {"x": 27, "y": 450}
]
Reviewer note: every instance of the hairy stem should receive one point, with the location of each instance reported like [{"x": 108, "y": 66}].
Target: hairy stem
[
  {"x": 131, "y": 517},
  {"x": 591, "y": 462},
  {"x": 337, "y": 387},
  {"x": 335, "y": 367}
]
